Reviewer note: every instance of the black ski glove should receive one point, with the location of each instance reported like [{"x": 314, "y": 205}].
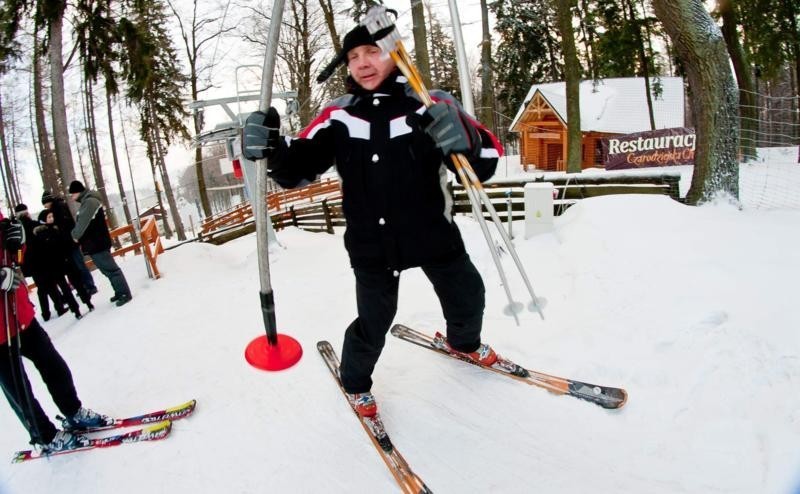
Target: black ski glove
[
  {"x": 13, "y": 234},
  {"x": 450, "y": 131},
  {"x": 10, "y": 279},
  {"x": 260, "y": 134}
]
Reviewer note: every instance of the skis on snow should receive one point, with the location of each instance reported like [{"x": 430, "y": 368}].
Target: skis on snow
[
  {"x": 153, "y": 426},
  {"x": 606, "y": 397},
  {"x": 408, "y": 481},
  {"x": 174, "y": 413},
  {"x": 149, "y": 433}
]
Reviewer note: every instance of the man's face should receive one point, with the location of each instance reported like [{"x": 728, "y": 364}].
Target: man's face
[
  {"x": 75, "y": 195},
  {"x": 47, "y": 205},
  {"x": 368, "y": 66}
]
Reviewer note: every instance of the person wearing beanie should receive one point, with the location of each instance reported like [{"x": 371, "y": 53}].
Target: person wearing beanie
[
  {"x": 77, "y": 272},
  {"x": 76, "y": 187},
  {"x": 53, "y": 247},
  {"x": 34, "y": 265},
  {"x": 91, "y": 231},
  {"x": 20, "y": 209},
  {"x": 392, "y": 154}
]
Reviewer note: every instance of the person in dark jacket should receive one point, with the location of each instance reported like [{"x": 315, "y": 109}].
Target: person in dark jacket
[
  {"x": 54, "y": 247},
  {"x": 77, "y": 272},
  {"x": 22, "y": 336},
  {"x": 92, "y": 232},
  {"x": 392, "y": 155},
  {"x": 33, "y": 266}
]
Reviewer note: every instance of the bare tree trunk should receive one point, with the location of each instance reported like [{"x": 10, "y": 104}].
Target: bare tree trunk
[
  {"x": 173, "y": 206},
  {"x": 130, "y": 168},
  {"x": 551, "y": 43},
  {"x": 487, "y": 86},
  {"x": 94, "y": 153},
  {"x": 13, "y": 190},
  {"x": 50, "y": 171},
  {"x": 644, "y": 63},
  {"x": 330, "y": 21},
  {"x": 115, "y": 158},
  {"x": 59, "y": 108},
  {"x": 572, "y": 73},
  {"x": 421, "y": 41},
  {"x": 748, "y": 113},
  {"x": 588, "y": 41},
  {"x": 700, "y": 45},
  {"x": 164, "y": 221}
]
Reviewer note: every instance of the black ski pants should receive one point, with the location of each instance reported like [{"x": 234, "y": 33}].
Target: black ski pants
[
  {"x": 46, "y": 290},
  {"x": 36, "y": 347},
  {"x": 461, "y": 293}
]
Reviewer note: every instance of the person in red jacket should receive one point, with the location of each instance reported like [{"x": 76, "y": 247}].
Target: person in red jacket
[{"x": 23, "y": 336}]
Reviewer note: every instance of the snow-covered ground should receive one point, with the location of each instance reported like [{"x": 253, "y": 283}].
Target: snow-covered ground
[{"x": 689, "y": 309}]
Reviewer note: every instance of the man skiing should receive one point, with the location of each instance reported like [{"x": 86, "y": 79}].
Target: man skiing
[
  {"x": 23, "y": 336},
  {"x": 392, "y": 155}
]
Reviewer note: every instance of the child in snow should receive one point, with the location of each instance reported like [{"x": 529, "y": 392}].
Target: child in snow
[{"x": 54, "y": 247}]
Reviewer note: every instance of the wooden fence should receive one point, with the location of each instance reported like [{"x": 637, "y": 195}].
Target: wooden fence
[
  {"x": 318, "y": 207},
  {"x": 150, "y": 243},
  {"x": 567, "y": 190},
  {"x": 318, "y": 217}
]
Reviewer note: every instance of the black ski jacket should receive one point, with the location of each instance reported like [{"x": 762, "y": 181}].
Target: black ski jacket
[
  {"x": 90, "y": 228},
  {"x": 394, "y": 179}
]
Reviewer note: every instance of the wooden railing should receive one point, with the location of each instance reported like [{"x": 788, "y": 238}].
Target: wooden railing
[
  {"x": 318, "y": 207},
  {"x": 235, "y": 216},
  {"x": 281, "y": 205},
  {"x": 315, "y": 217},
  {"x": 567, "y": 190},
  {"x": 313, "y": 192},
  {"x": 150, "y": 243}
]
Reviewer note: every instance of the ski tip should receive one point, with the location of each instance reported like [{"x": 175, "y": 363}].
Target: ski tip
[
  {"x": 321, "y": 345},
  {"x": 622, "y": 398},
  {"x": 398, "y": 329},
  {"x": 21, "y": 456},
  {"x": 163, "y": 427},
  {"x": 189, "y": 406}
]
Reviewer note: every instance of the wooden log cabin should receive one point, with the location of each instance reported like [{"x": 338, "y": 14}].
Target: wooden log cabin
[{"x": 609, "y": 107}]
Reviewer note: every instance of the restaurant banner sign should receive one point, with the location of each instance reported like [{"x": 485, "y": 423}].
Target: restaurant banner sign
[{"x": 664, "y": 147}]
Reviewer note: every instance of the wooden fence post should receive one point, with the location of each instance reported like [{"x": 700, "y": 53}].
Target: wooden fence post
[
  {"x": 327, "y": 211},
  {"x": 294, "y": 216}
]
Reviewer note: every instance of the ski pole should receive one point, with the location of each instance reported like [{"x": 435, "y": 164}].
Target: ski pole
[
  {"x": 383, "y": 29},
  {"x": 22, "y": 395}
]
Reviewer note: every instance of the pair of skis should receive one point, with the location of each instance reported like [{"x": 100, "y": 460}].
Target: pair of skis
[
  {"x": 153, "y": 426},
  {"x": 409, "y": 482}
]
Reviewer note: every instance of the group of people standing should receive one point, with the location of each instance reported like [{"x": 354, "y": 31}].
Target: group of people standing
[
  {"x": 54, "y": 257},
  {"x": 51, "y": 258}
]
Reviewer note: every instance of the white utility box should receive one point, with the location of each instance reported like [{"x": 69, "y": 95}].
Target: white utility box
[{"x": 538, "y": 208}]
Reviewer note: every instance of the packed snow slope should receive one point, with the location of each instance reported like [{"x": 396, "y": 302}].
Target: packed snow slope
[{"x": 691, "y": 309}]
